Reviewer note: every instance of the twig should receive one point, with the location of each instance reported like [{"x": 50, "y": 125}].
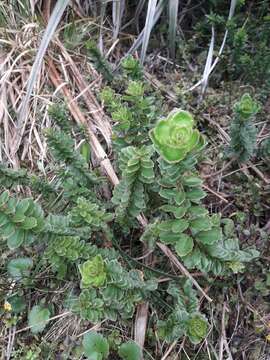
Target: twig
[
  {"x": 216, "y": 194},
  {"x": 181, "y": 267},
  {"x": 167, "y": 353},
  {"x": 50, "y": 319},
  {"x": 223, "y": 341}
]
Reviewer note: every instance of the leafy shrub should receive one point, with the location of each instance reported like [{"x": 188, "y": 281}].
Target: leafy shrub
[
  {"x": 83, "y": 234},
  {"x": 243, "y": 132}
]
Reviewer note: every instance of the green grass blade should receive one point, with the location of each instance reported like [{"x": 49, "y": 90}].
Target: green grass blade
[
  {"x": 149, "y": 23},
  {"x": 48, "y": 34},
  {"x": 173, "y": 14}
]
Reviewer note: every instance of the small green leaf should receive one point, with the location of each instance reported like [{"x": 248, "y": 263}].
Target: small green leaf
[
  {"x": 17, "y": 303},
  {"x": 209, "y": 237},
  {"x": 18, "y": 218},
  {"x": 180, "y": 197},
  {"x": 29, "y": 223},
  {"x": 19, "y": 268},
  {"x": 85, "y": 151},
  {"x": 3, "y": 220},
  {"x": 168, "y": 194},
  {"x": 7, "y": 230},
  {"x": 4, "y": 198},
  {"x": 95, "y": 346},
  {"x": 175, "y": 226},
  {"x": 184, "y": 245},
  {"x": 16, "y": 239},
  {"x": 197, "y": 211},
  {"x": 23, "y": 205},
  {"x": 130, "y": 351},
  {"x": 38, "y": 318},
  {"x": 201, "y": 224},
  {"x": 169, "y": 238},
  {"x": 192, "y": 181},
  {"x": 179, "y": 225},
  {"x": 196, "y": 195},
  {"x": 178, "y": 211}
]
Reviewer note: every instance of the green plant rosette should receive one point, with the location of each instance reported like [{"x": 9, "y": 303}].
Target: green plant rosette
[
  {"x": 93, "y": 272},
  {"x": 174, "y": 137},
  {"x": 247, "y": 107},
  {"x": 197, "y": 328}
]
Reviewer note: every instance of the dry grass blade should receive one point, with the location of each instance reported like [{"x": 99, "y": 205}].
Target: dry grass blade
[
  {"x": 80, "y": 119},
  {"x": 48, "y": 34},
  {"x": 207, "y": 68},
  {"x": 141, "y": 323},
  {"x": 173, "y": 15},
  {"x": 149, "y": 24},
  {"x": 117, "y": 13},
  {"x": 231, "y": 13},
  {"x": 181, "y": 267},
  {"x": 140, "y": 38},
  {"x": 135, "y": 18},
  {"x": 99, "y": 118}
]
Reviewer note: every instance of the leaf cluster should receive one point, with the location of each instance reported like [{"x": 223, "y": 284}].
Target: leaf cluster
[
  {"x": 185, "y": 319},
  {"x": 243, "y": 131}
]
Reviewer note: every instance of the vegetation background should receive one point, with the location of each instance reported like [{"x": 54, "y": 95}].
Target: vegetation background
[{"x": 90, "y": 267}]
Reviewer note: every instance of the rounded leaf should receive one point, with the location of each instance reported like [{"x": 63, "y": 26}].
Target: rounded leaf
[
  {"x": 209, "y": 237},
  {"x": 38, "y": 318},
  {"x": 130, "y": 351},
  {"x": 95, "y": 346},
  {"x": 184, "y": 245},
  {"x": 16, "y": 239},
  {"x": 4, "y": 198},
  {"x": 19, "y": 268}
]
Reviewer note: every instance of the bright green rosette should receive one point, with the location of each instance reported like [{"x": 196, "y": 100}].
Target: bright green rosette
[
  {"x": 247, "y": 107},
  {"x": 174, "y": 137}
]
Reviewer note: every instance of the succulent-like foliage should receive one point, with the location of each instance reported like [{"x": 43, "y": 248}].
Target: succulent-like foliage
[
  {"x": 93, "y": 272},
  {"x": 197, "y": 327},
  {"x": 63, "y": 150},
  {"x": 132, "y": 113},
  {"x": 174, "y": 137},
  {"x": 38, "y": 318},
  {"x": 109, "y": 291},
  {"x": 264, "y": 150},
  {"x": 130, "y": 351},
  {"x": 243, "y": 131},
  {"x": 185, "y": 318},
  {"x": 100, "y": 63},
  {"x": 66, "y": 250},
  {"x": 132, "y": 68},
  {"x": 187, "y": 226},
  {"x": 10, "y": 178},
  {"x": 20, "y": 220},
  {"x": 246, "y": 107},
  {"x": 86, "y": 213},
  {"x": 19, "y": 268},
  {"x": 137, "y": 171}
]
